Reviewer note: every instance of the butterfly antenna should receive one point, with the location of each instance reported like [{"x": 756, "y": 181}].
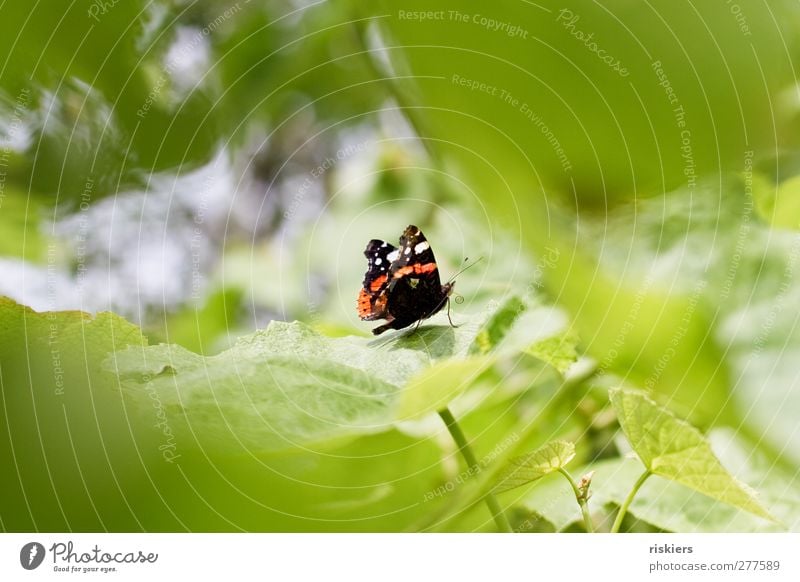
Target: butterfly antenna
[{"x": 472, "y": 264}]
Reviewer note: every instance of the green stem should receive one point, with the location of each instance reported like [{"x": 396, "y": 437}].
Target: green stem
[
  {"x": 581, "y": 499},
  {"x": 472, "y": 463},
  {"x": 624, "y": 507}
]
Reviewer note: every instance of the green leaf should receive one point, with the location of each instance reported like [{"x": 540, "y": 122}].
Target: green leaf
[
  {"x": 559, "y": 351},
  {"x": 663, "y": 503},
  {"x": 55, "y": 394},
  {"x": 289, "y": 386},
  {"x": 525, "y": 469},
  {"x": 435, "y": 387},
  {"x": 674, "y": 449},
  {"x": 498, "y": 326},
  {"x": 277, "y": 389}
]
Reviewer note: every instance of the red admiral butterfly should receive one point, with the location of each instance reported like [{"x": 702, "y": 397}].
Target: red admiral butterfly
[{"x": 401, "y": 284}]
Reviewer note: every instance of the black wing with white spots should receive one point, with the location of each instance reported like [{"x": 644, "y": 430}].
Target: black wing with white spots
[
  {"x": 372, "y": 299},
  {"x": 414, "y": 258}
]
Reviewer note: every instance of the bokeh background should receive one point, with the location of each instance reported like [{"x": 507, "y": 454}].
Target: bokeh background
[{"x": 186, "y": 172}]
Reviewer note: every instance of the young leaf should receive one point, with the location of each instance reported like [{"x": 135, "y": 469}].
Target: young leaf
[
  {"x": 528, "y": 468},
  {"x": 559, "y": 351},
  {"x": 674, "y": 449},
  {"x": 498, "y": 325}
]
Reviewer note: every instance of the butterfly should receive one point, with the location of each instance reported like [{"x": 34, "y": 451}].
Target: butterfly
[{"x": 402, "y": 283}]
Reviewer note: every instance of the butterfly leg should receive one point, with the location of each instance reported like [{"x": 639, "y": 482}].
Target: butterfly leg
[
  {"x": 448, "y": 314},
  {"x": 391, "y": 323}
]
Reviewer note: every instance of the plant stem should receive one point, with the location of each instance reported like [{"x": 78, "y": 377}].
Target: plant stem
[
  {"x": 466, "y": 452},
  {"x": 581, "y": 499},
  {"x": 624, "y": 507}
]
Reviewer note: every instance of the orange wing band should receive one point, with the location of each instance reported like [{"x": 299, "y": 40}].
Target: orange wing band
[{"x": 415, "y": 269}]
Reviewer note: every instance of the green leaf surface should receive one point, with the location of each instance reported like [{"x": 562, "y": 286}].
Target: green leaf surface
[
  {"x": 498, "y": 326},
  {"x": 560, "y": 351},
  {"x": 525, "y": 469},
  {"x": 100, "y": 460},
  {"x": 289, "y": 386},
  {"x": 674, "y": 449},
  {"x": 55, "y": 395},
  {"x": 280, "y": 388}
]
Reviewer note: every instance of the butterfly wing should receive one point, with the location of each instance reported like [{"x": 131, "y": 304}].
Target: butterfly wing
[
  {"x": 372, "y": 299},
  {"x": 415, "y": 260}
]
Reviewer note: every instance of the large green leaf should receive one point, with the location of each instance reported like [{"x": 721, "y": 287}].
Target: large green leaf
[
  {"x": 288, "y": 385},
  {"x": 97, "y": 457},
  {"x": 560, "y": 351},
  {"x": 67, "y": 443},
  {"x": 674, "y": 449}
]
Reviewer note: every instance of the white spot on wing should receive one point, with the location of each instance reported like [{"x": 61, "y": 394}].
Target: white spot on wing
[
  {"x": 378, "y": 261},
  {"x": 423, "y": 246},
  {"x": 393, "y": 255},
  {"x": 407, "y": 251}
]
